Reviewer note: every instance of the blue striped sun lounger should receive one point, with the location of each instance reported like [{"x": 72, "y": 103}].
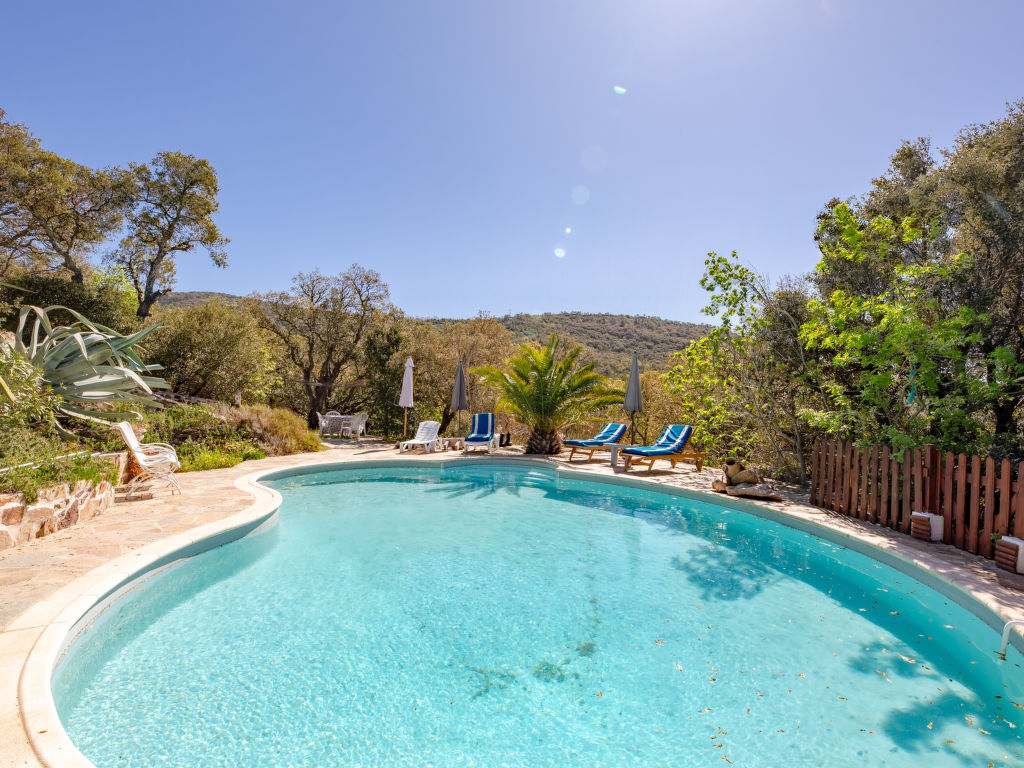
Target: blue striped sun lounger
[
  {"x": 610, "y": 433},
  {"x": 672, "y": 445},
  {"x": 481, "y": 433}
]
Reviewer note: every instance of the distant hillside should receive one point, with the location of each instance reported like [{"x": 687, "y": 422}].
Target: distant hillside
[
  {"x": 191, "y": 298},
  {"x": 612, "y": 338}
]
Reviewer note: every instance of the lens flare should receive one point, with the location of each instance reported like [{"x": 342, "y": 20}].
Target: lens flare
[
  {"x": 619, "y": 90},
  {"x": 560, "y": 253},
  {"x": 568, "y": 230},
  {"x": 580, "y": 194}
]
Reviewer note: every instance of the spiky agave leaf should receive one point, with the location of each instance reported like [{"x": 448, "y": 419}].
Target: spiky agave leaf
[{"x": 88, "y": 364}]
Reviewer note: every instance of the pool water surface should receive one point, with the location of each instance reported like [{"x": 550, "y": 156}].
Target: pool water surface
[{"x": 491, "y": 615}]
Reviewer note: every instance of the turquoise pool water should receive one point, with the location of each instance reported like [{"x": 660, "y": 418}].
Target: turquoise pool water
[{"x": 493, "y": 616}]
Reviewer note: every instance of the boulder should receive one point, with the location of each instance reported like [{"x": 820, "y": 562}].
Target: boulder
[{"x": 754, "y": 491}]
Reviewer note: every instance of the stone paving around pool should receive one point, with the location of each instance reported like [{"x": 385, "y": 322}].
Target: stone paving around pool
[{"x": 32, "y": 572}]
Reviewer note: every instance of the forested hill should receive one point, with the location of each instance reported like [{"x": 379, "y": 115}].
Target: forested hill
[{"x": 612, "y": 338}]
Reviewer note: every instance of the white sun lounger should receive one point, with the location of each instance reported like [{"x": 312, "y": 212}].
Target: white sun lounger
[{"x": 426, "y": 436}]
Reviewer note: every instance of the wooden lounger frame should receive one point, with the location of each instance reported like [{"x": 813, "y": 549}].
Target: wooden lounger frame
[
  {"x": 687, "y": 454},
  {"x": 588, "y": 449}
]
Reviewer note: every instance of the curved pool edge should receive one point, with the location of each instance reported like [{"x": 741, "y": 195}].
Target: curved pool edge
[{"x": 57, "y": 620}]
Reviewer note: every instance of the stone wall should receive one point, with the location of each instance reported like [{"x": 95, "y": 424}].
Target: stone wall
[{"x": 58, "y": 507}]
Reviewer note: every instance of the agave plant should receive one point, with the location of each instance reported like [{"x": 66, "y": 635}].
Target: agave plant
[
  {"x": 88, "y": 366},
  {"x": 549, "y": 391}
]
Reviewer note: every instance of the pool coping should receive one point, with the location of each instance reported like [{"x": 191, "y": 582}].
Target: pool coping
[{"x": 41, "y": 635}]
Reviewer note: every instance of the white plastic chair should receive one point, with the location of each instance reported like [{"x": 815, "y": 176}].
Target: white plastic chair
[
  {"x": 158, "y": 461},
  {"x": 426, "y": 435},
  {"x": 356, "y": 425}
]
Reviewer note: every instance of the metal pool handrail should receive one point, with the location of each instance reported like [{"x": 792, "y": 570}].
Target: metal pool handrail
[{"x": 1006, "y": 636}]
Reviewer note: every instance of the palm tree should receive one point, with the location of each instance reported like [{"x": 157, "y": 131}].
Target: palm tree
[{"x": 549, "y": 392}]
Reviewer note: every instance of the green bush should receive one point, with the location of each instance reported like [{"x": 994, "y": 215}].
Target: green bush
[
  {"x": 216, "y": 435},
  {"x": 21, "y": 445},
  {"x": 24, "y": 396},
  {"x": 213, "y": 350},
  {"x": 105, "y": 298}
]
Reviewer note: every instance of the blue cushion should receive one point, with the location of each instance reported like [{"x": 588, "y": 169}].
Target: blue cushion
[
  {"x": 482, "y": 428},
  {"x": 672, "y": 440},
  {"x": 609, "y": 433}
]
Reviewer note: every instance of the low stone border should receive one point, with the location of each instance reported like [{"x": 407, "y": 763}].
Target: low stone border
[
  {"x": 32, "y": 646},
  {"x": 58, "y": 507}
]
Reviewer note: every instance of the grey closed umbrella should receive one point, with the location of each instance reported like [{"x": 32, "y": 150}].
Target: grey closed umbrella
[
  {"x": 633, "y": 402},
  {"x": 460, "y": 402}
]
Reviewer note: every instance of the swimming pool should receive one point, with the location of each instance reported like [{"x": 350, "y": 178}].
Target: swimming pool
[{"x": 489, "y": 615}]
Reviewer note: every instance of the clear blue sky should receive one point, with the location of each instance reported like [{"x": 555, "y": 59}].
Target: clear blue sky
[{"x": 441, "y": 142}]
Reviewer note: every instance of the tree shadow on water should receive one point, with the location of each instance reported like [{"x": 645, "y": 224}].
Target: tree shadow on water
[
  {"x": 918, "y": 728},
  {"x": 721, "y": 573}
]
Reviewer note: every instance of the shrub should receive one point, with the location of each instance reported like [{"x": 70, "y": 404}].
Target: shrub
[
  {"x": 21, "y": 445},
  {"x": 215, "y": 436},
  {"x": 24, "y": 397},
  {"x": 106, "y": 297},
  {"x": 213, "y": 350}
]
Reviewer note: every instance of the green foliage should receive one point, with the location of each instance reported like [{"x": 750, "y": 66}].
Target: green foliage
[
  {"x": 54, "y": 212},
  {"x": 25, "y": 398},
  {"x": 90, "y": 367},
  {"x": 549, "y": 391},
  {"x": 214, "y": 436},
  {"x": 173, "y": 200},
  {"x": 104, "y": 297},
  {"x": 701, "y": 381},
  {"x": 214, "y": 350},
  {"x": 22, "y": 445},
  {"x": 384, "y": 367},
  {"x": 896, "y": 363},
  {"x": 744, "y": 385}
]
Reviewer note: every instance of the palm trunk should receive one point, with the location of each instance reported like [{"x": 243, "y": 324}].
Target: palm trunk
[{"x": 544, "y": 443}]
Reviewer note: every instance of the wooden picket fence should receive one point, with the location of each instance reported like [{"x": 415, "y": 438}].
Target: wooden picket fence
[{"x": 979, "y": 498}]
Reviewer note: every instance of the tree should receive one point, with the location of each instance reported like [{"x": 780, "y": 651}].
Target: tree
[
  {"x": 943, "y": 240},
  {"x": 174, "y": 197},
  {"x": 54, "y": 212},
  {"x": 748, "y": 381},
  {"x": 321, "y": 323},
  {"x": 437, "y": 350},
  {"x": 214, "y": 350},
  {"x": 383, "y": 370},
  {"x": 549, "y": 391}
]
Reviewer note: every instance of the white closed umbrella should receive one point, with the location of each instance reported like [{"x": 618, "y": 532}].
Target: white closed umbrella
[{"x": 405, "y": 400}]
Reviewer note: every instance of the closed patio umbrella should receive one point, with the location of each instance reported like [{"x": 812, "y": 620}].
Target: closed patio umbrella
[
  {"x": 460, "y": 402},
  {"x": 633, "y": 402},
  {"x": 405, "y": 400}
]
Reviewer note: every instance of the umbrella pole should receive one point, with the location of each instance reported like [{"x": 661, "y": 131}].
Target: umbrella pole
[
  {"x": 405, "y": 422},
  {"x": 632, "y": 428}
]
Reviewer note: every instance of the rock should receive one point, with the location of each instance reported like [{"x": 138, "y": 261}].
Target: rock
[
  {"x": 744, "y": 476},
  {"x": 719, "y": 486},
  {"x": 754, "y": 491},
  {"x": 731, "y": 466},
  {"x": 7, "y": 498},
  {"x": 55, "y": 493},
  {"x": 6, "y": 540},
  {"x": 12, "y": 512},
  {"x": 68, "y": 516}
]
